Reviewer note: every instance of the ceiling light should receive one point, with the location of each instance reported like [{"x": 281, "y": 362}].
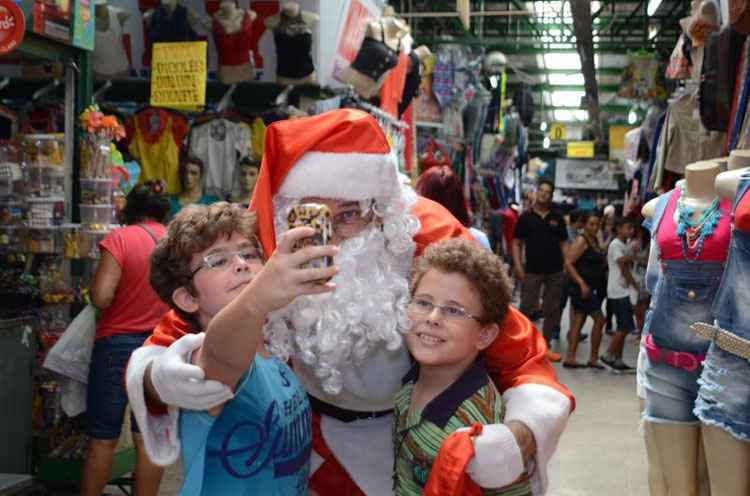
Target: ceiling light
[
  {"x": 546, "y": 143},
  {"x": 653, "y": 6},
  {"x": 543, "y": 126},
  {"x": 632, "y": 117}
]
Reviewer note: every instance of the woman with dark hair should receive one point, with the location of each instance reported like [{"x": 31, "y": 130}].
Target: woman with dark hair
[
  {"x": 129, "y": 311},
  {"x": 586, "y": 265},
  {"x": 441, "y": 185},
  {"x": 191, "y": 179}
]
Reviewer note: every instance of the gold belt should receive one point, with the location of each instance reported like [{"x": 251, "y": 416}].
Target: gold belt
[{"x": 727, "y": 341}]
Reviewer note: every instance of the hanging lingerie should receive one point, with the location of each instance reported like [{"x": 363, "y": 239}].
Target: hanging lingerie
[
  {"x": 293, "y": 48},
  {"x": 234, "y": 48},
  {"x": 411, "y": 85},
  {"x": 375, "y": 57}
]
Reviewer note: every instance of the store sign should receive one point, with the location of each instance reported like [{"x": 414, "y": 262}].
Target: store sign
[
  {"x": 558, "y": 132},
  {"x": 179, "y": 74},
  {"x": 12, "y": 26},
  {"x": 585, "y": 174},
  {"x": 581, "y": 149}
]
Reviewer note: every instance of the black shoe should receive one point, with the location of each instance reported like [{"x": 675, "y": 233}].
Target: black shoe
[
  {"x": 619, "y": 366},
  {"x": 582, "y": 337},
  {"x": 536, "y": 316},
  {"x": 608, "y": 364}
]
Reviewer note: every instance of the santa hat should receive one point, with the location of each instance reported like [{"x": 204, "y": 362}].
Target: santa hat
[{"x": 342, "y": 155}]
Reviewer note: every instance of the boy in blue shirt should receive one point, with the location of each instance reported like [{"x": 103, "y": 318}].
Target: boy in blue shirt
[{"x": 210, "y": 268}]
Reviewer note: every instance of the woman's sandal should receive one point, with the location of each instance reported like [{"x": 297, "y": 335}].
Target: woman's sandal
[{"x": 595, "y": 365}]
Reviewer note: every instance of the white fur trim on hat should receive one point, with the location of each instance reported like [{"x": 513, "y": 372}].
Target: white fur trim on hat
[{"x": 342, "y": 176}]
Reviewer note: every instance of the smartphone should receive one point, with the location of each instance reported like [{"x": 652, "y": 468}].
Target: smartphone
[{"x": 319, "y": 217}]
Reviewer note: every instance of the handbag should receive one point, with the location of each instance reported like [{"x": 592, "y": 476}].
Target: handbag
[{"x": 71, "y": 355}]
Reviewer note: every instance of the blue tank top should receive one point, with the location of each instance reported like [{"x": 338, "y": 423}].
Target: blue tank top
[{"x": 259, "y": 444}]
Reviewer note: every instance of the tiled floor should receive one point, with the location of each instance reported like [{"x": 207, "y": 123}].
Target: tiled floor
[{"x": 601, "y": 452}]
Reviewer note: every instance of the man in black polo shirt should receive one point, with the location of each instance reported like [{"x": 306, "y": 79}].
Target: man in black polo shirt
[{"x": 541, "y": 232}]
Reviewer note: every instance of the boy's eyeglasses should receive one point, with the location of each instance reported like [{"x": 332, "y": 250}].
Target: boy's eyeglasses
[
  {"x": 420, "y": 306},
  {"x": 223, "y": 260}
]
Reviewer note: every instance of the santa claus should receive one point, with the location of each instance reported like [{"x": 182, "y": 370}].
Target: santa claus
[{"x": 347, "y": 347}]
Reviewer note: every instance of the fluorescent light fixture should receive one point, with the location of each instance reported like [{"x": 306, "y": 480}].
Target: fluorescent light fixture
[
  {"x": 546, "y": 143},
  {"x": 562, "y": 61},
  {"x": 653, "y": 6},
  {"x": 567, "y": 98},
  {"x": 572, "y": 78},
  {"x": 571, "y": 115},
  {"x": 632, "y": 117},
  {"x": 543, "y": 126}
]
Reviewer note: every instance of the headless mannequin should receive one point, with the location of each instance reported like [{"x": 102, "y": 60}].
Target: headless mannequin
[
  {"x": 293, "y": 10},
  {"x": 677, "y": 462},
  {"x": 393, "y": 30},
  {"x": 727, "y": 457},
  {"x": 198, "y": 24},
  {"x": 231, "y": 18},
  {"x": 105, "y": 70}
]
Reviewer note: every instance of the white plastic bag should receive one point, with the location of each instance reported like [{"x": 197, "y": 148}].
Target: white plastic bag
[{"x": 71, "y": 355}]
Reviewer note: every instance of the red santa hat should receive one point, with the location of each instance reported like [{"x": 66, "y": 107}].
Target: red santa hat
[{"x": 342, "y": 155}]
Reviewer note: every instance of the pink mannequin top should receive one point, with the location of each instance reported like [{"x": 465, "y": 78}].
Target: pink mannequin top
[
  {"x": 715, "y": 247},
  {"x": 234, "y": 48}
]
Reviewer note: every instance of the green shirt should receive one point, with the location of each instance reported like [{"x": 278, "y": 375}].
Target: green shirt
[{"x": 418, "y": 435}]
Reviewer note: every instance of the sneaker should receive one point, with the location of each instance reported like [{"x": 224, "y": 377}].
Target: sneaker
[
  {"x": 608, "y": 364},
  {"x": 620, "y": 367},
  {"x": 553, "y": 357}
]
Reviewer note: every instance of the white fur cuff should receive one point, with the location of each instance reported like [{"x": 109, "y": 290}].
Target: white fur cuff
[
  {"x": 497, "y": 458},
  {"x": 545, "y": 411},
  {"x": 159, "y": 432}
]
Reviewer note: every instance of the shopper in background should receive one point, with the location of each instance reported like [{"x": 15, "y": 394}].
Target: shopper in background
[
  {"x": 191, "y": 178},
  {"x": 441, "y": 185},
  {"x": 129, "y": 311},
  {"x": 606, "y": 235},
  {"x": 586, "y": 265},
  {"x": 619, "y": 282},
  {"x": 640, "y": 246},
  {"x": 541, "y": 233}
]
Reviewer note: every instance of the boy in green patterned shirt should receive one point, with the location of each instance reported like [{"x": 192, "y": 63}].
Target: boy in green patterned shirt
[{"x": 459, "y": 294}]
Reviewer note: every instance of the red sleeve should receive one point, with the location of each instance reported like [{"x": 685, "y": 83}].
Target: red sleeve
[
  {"x": 742, "y": 214},
  {"x": 114, "y": 243},
  {"x": 393, "y": 86},
  {"x": 169, "y": 329},
  {"x": 519, "y": 356},
  {"x": 436, "y": 224}
]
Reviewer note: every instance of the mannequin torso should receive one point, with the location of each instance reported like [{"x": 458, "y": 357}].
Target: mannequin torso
[
  {"x": 293, "y": 38},
  {"x": 738, "y": 164},
  {"x": 109, "y": 60},
  {"x": 379, "y": 52},
  {"x": 232, "y": 33}
]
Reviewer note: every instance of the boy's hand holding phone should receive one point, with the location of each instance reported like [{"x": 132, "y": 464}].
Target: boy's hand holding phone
[{"x": 287, "y": 275}]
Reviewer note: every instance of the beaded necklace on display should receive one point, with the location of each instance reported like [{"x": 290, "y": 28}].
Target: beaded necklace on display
[{"x": 694, "y": 234}]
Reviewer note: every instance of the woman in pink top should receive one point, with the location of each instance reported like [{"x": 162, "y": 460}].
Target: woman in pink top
[{"x": 130, "y": 310}]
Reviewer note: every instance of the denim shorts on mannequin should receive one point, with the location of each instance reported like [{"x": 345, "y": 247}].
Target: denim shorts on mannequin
[
  {"x": 683, "y": 296},
  {"x": 724, "y": 394}
]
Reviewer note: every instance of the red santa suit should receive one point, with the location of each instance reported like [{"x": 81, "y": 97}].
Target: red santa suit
[{"x": 352, "y": 447}]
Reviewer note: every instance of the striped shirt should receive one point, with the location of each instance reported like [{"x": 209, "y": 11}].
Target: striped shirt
[{"x": 418, "y": 435}]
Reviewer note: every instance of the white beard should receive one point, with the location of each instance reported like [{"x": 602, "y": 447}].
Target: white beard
[{"x": 368, "y": 308}]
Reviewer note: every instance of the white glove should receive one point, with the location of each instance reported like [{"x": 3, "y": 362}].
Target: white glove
[
  {"x": 497, "y": 459},
  {"x": 181, "y": 384}
]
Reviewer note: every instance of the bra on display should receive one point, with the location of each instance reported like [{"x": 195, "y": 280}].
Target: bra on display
[
  {"x": 234, "y": 48},
  {"x": 293, "y": 48},
  {"x": 375, "y": 57}
]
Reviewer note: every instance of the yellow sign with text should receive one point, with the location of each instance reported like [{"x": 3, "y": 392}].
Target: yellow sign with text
[
  {"x": 581, "y": 149},
  {"x": 558, "y": 132},
  {"x": 178, "y": 75}
]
